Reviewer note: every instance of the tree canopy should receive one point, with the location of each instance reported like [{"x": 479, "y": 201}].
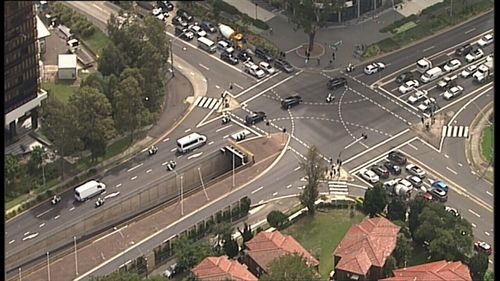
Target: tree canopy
[
  {"x": 375, "y": 200},
  {"x": 396, "y": 210},
  {"x": 313, "y": 168},
  {"x": 290, "y": 267},
  {"x": 189, "y": 254},
  {"x": 478, "y": 265}
]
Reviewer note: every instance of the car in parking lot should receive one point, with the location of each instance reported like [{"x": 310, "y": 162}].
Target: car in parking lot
[
  {"x": 254, "y": 70},
  {"x": 198, "y": 30},
  {"x": 409, "y": 86},
  {"x": 267, "y": 67},
  {"x": 453, "y": 211},
  {"x": 407, "y": 184},
  {"x": 417, "y": 96},
  {"x": 440, "y": 184},
  {"x": 447, "y": 82},
  {"x": 415, "y": 181},
  {"x": 463, "y": 50},
  {"x": 208, "y": 27},
  {"x": 228, "y": 57},
  {"x": 473, "y": 55},
  {"x": 427, "y": 105},
  {"x": 403, "y": 77},
  {"x": 335, "y": 83},
  {"x": 185, "y": 15},
  {"x": 369, "y": 175},
  {"x": 263, "y": 54},
  {"x": 255, "y": 117},
  {"x": 485, "y": 40},
  {"x": 374, "y": 68},
  {"x": 244, "y": 56},
  {"x": 393, "y": 168},
  {"x": 453, "y": 92},
  {"x": 283, "y": 66},
  {"x": 165, "y": 5},
  {"x": 397, "y": 157},
  {"x": 291, "y": 101},
  {"x": 381, "y": 171},
  {"x": 178, "y": 20},
  {"x": 184, "y": 33},
  {"x": 428, "y": 196},
  {"x": 170, "y": 271},
  {"x": 452, "y": 65},
  {"x": 415, "y": 170},
  {"x": 225, "y": 46},
  {"x": 483, "y": 247},
  {"x": 467, "y": 72},
  {"x": 160, "y": 14},
  {"x": 439, "y": 194}
]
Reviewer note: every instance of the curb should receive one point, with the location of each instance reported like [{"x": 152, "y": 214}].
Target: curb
[{"x": 470, "y": 150}]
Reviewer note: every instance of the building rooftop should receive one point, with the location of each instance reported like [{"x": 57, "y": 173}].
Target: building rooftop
[
  {"x": 434, "y": 271},
  {"x": 221, "y": 268},
  {"x": 41, "y": 29},
  {"x": 66, "y": 61}
]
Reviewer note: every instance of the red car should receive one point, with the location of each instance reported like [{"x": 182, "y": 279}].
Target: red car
[
  {"x": 482, "y": 246},
  {"x": 428, "y": 196}
]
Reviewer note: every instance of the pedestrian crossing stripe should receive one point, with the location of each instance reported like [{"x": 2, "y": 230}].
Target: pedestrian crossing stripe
[
  {"x": 206, "y": 102},
  {"x": 455, "y": 131},
  {"x": 339, "y": 188}
]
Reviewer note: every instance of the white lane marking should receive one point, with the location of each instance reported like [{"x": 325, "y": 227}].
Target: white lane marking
[
  {"x": 149, "y": 171},
  {"x": 166, "y": 139},
  {"x": 428, "y": 49},
  {"x": 412, "y": 146},
  {"x": 26, "y": 233},
  {"x": 225, "y": 137},
  {"x": 30, "y": 236},
  {"x": 118, "y": 185},
  {"x": 276, "y": 193},
  {"x": 114, "y": 194},
  {"x": 72, "y": 208},
  {"x": 217, "y": 86},
  {"x": 474, "y": 213},
  {"x": 288, "y": 186},
  {"x": 255, "y": 191},
  {"x": 489, "y": 193},
  {"x": 448, "y": 168},
  {"x": 487, "y": 234},
  {"x": 460, "y": 164},
  {"x": 296, "y": 169},
  {"x": 204, "y": 66},
  {"x": 223, "y": 128},
  {"x": 133, "y": 178},
  {"x": 187, "y": 130},
  {"x": 470, "y": 30},
  {"x": 212, "y": 142},
  {"x": 446, "y": 155},
  {"x": 135, "y": 167},
  {"x": 56, "y": 217},
  {"x": 41, "y": 214},
  {"x": 291, "y": 50},
  {"x": 473, "y": 225},
  {"x": 41, "y": 225},
  {"x": 261, "y": 201},
  {"x": 195, "y": 155},
  {"x": 173, "y": 149},
  {"x": 12, "y": 241},
  {"x": 192, "y": 73},
  {"x": 238, "y": 86},
  {"x": 179, "y": 67},
  {"x": 301, "y": 187}
]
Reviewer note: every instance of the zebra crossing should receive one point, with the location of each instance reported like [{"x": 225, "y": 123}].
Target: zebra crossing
[
  {"x": 208, "y": 103},
  {"x": 338, "y": 188},
  {"x": 455, "y": 131}
]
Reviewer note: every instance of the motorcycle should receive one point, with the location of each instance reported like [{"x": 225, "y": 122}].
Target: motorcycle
[
  {"x": 56, "y": 199},
  {"x": 99, "y": 202},
  {"x": 330, "y": 98},
  {"x": 171, "y": 165},
  {"x": 350, "y": 68},
  {"x": 226, "y": 119},
  {"x": 153, "y": 150}
]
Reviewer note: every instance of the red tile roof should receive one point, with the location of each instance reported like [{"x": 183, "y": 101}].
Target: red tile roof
[
  {"x": 266, "y": 246},
  {"x": 435, "y": 271},
  {"x": 221, "y": 268},
  {"x": 366, "y": 244}
]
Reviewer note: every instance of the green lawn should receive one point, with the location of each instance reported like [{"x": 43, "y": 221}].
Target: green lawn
[
  {"x": 487, "y": 143},
  {"x": 61, "y": 90},
  {"x": 114, "y": 149},
  {"x": 321, "y": 234},
  {"x": 97, "y": 41},
  {"x": 405, "y": 27}
]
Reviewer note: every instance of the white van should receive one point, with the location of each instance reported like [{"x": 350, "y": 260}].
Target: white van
[
  {"x": 431, "y": 74},
  {"x": 190, "y": 142},
  {"x": 89, "y": 190},
  {"x": 207, "y": 44}
]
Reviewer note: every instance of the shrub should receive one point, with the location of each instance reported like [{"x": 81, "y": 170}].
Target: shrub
[
  {"x": 277, "y": 219},
  {"x": 225, "y": 7},
  {"x": 260, "y": 24}
]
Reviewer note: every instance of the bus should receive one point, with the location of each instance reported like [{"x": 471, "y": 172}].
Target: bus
[
  {"x": 89, "y": 190},
  {"x": 190, "y": 142}
]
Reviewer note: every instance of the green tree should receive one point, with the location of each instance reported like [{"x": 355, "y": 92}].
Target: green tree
[
  {"x": 390, "y": 265},
  {"x": 277, "y": 219},
  {"x": 129, "y": 110},
  {"x": 230, "y": 247},
  {"x": 12, "y": 168},
  {"x": 188, "y": 253},
  {"x": 416, "y": 207},
  {"x": 111, "y": 61},
  {"x": 403, "y": 250},
  {"x": 375, "y": 200},
  {"x": 396, "y": 210},
  {"x": 94, "y": 80},
  {"x": 246, "y": 233},
  {"x": 118, "y": 276},
  {"x": 290, "y": 267},
  {"x": 478, "y": 265},
  {"x": 36, "y": 159},
  {"x": 313, "y": 168},
  {"x": 489, "y": 276}
]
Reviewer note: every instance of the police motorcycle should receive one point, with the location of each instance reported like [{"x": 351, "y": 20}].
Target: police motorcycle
[
  {"x": 171, "y": 165},
  {"x": 153, "y": 150},
  {"x": 349, "y": 68},
  {"x": 330, "y": 98},
  {"x": 99, "y": 202}
]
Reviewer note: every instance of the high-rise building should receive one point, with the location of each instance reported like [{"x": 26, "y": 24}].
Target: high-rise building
[{"x": 22, "y": 93}]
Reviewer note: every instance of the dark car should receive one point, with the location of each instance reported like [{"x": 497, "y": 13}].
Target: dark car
[
  {"x": 255, "y": 117},
  {"x": 165, "y": 5},
  {"x": 381, "y": 171},
  {"x": 178, "y": 20},
  {"x": 283, "y": 66},
  {"x": 439, "y": 194},
  {"x": 290, "y": 101},
  {"x": 336, "y": 83},
  {"x": 244, "y": 56},
  {"x": 184, "y": 15},
  {"x": 208, "y": 27},
  {"x": 397, "y": 157},
  {"x": 394, "y": 169},
  {"x": 463, "y": 50},
  {"x": 227, "y": 57},
  {"x": 264, "y": 54},
  {"x": 403, "y": 77}
]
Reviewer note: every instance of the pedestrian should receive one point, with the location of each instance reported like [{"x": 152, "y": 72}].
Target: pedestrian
[
  {"x": 284, "y": 54},
  {"x": 331, "y": 174},
  {"x": 318, "y": 61},
  {"x": 331, "y": 61},
  {"x": 307, "y": 59},
  {"x": 270, "y": 30},
  {"x": 340, "y": 163},
  {"x": 230, "y": 86}
]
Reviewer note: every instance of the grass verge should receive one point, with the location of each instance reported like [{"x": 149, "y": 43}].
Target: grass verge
[
  {"x": 97, "y": 41},
  {"x": 487, "y": 143},
  {"x": 114, "y": 149},
  {"x": 405, "y": 27},
  {"x": 61, "y": 90}
]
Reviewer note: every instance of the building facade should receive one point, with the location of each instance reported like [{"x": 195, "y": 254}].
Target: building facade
[{"x": 22, "y": 94}]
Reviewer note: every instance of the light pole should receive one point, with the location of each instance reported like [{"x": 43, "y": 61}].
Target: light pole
[
  {"x": 233, "y": 170},
  {"x": 76, "y": 256},
  {"x": 48, "y": 266},
  {"x": 172, "y": 57},
  {"x": 182, "y": 198},
  {"x": 256, "y": 10},
  {"x": 19, "y": 274}
]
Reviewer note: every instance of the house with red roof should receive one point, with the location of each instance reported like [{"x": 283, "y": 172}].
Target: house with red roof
[
  {"x": 361, "y": 255},
  {"x": 267, "y": 246},
  {"x": 220, "y": 269},
  {"x": 435, "y": 271}
]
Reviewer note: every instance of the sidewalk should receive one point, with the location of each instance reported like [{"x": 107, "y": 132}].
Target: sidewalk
[{"x": 473, "y": 149}]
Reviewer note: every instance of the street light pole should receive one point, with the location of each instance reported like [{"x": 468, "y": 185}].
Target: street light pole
[
  {"x": 172, "y": 57},
  {"x": 256, "y": 10},
  {"x": 76, "y": 256},
  {"x": 19, "y": 274},
  {"x": 48, "y": 266},
  {"x": 233, "y": 170},
  {"x": 182, "y": 197}
]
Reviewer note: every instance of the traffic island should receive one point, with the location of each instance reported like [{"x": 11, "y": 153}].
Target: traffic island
[{"x": 430, "y": 128}]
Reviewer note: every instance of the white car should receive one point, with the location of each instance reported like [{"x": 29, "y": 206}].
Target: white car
[
  {"x": 452, "y": 65},
  {"x": 267, "y": 67},
  {"x": 415, "y": 181},
  {"x": 485, "y": 40},
  {"x": 369, "y": 175},
  {"x": 374, "y": 67},
  {"x": 159, "y": 14},
  {"x": 474, "y": 55},
  {"x": 417, "y": 96},
  {"x": 453, "y": 92},
  {"x": 466, "y": 73},
  {"x": 426, "y": 104},
  {"x": 408, "y": 86},
  {"x": 198, "y": 30},
  {"x": 254, "y": 69},
  {"x": 413, "y": 169},
  {"x": 407, "y": 184},
  {"x": 453, "y": 211},
  {"x": 224, "y": 46}
]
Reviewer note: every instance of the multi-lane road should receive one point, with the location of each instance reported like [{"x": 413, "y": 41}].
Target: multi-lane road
[{"x": 368, "y": 105}]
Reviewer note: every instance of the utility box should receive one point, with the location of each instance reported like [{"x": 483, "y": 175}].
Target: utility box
[{"x": 67, "y": 67}]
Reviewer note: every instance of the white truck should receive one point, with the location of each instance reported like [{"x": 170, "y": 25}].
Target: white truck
[
  {"x": 423, "y": 65},
  {"x": 484, "y": 72},
  {"x": 89, "y": 190},
  {"x": 231, "y": 35}
]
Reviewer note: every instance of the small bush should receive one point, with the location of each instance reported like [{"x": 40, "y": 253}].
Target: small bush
[
  {"x": 277, "y": 219},
  {"x": 260, "y": 24},
  {"x": 225, "y": 7}
]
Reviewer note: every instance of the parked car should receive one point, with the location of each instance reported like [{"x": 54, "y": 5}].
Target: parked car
[
  {"x": 393, "y": 168},
  {"x": 255, "y": 117},
  {"x": 228, "y": 57},
  {"x": 408, "y": 86},
  {"x": 198, "y": 30},
  {"x": 439, "y": 194},
  {"x": 267, "y": 67},
  {"x": 208, "y": 27},
  {"x": 184, "y": 15},
  {"x": 264, "y": 54},
  {"x": 417, "y": 96},
  {"x": 374, "y": 68},
  {"x": 406, "y": 183},
  {"x": 403, "y": 77},
  {"x": 335, "y": 83},
  {"x": 165, "y": 5},
  {"x": 453, "y": 92},
  {"x": 427, "y": 105},
  {"x": 440, "y": 184},
  {"x": 463, "y": 50},
  {"x": 428, "y": 196},
  {"x": 452, "y": 65},
  {"x": 397, "y": 157},
  {"x": 447, "y": 82},
  {"x": 485, "y": 40},
  {"x": 178, "y": 20},
  {"x": 474, "y": 55},
  {"x": 254, "y": 70},
  {"x": 369, "y": 175},
  {"x": 159, "y": 14},
  {"x": 483, "y": 247},
  {"x": 467, "y": 72},
  {"x": 453, "y": 211},
  {"x": 381, "y": 171},
  {"x": 415, "y": 170},
  {"x": 291, "y": 101},
  {"x": 171, "y": 271},
  {"x": 225, "y": 46},
  {"x": 415, "y": 181},
  {"x": 244, "y": 56},
  {"x": 56, "y": 199},
  {"x": 283, "y": 66}
]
